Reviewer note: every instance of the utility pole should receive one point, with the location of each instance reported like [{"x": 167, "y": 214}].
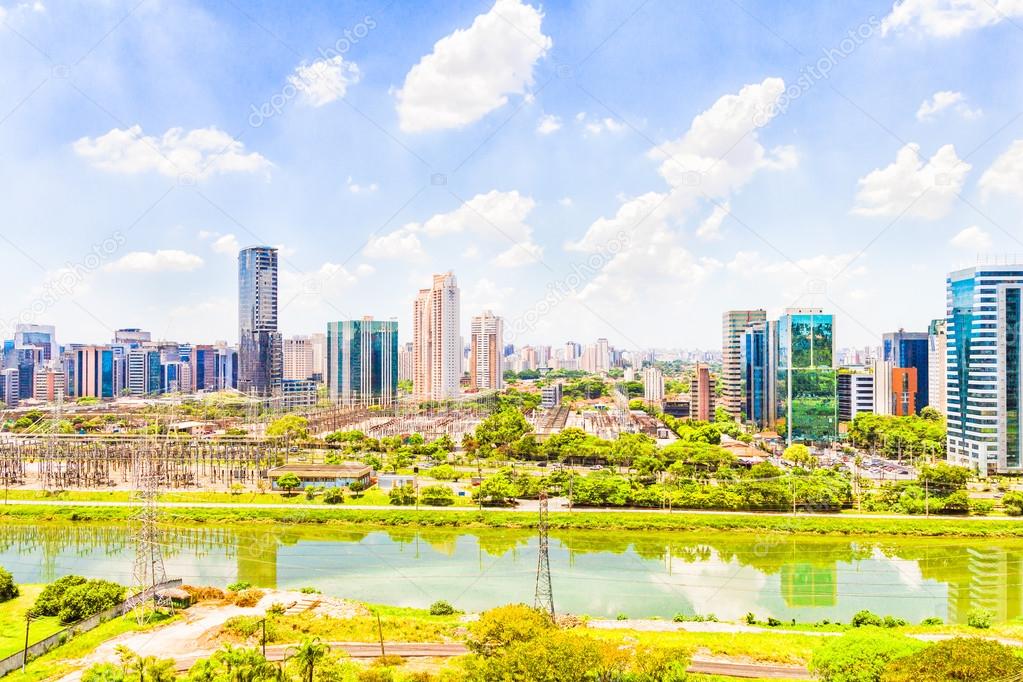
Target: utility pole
[
  {"x": 544, "y": 596},
  {"x": 24, "y": 659}
]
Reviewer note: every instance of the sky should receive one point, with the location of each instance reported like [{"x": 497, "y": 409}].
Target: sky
[{"x": 626, "y": 169}]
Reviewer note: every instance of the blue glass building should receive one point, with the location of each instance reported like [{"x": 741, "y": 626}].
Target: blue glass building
[
  {"x": 754, "y": 368},
  {"x": 260, "y": 347},
  {"x": 910, "y": 350},
  {"x": 806, "y": 378},
  {"x": 362, "y": 361}
]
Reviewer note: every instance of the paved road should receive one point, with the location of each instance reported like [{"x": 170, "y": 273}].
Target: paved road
[{"x": 525, "y": 506}]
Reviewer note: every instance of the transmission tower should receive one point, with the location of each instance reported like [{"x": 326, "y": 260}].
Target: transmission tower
[
  {"x": 544, "y": 599},
  {"x": 149, "y": 569}
]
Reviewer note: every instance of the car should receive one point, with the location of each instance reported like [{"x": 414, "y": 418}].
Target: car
[{"x": 596, "y": 467}]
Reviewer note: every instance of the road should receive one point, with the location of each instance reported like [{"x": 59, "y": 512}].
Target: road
[{"x": 556, "y": 504}]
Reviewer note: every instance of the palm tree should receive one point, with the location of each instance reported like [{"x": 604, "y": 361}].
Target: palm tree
[{"x": 308, "y": 654}]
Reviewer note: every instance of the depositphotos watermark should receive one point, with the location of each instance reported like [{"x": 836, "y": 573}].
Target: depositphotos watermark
[
  {"x": 811, "y": 74},
  {"x": 559, "y": 290},
  {"x": 276, "y": 104},
  {"x": 64, "y": 282}
]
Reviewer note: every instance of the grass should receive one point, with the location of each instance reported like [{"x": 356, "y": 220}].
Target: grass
[
  {"x": 373, "y": 496},
  {"x": 61, "y": 660},
  {"x": 761, "y": 647},
  {"x": 12, "y": 621},
  {"x": 470, "y": 518}
]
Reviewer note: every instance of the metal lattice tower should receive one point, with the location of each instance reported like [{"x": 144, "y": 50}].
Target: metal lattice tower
[
  {"x": 544, "y": 599},
  {"x": 149, "y": 570}
]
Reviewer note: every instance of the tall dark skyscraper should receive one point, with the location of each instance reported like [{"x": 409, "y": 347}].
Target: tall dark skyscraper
[{"x": 260, "y": 349}]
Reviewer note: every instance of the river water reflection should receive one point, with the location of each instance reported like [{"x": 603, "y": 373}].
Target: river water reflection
[{"x": 641, "y": 574}]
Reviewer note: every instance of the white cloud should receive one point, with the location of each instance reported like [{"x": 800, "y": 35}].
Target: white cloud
[
  {"x": 200, "y": 153},
  {"x": 809, "y": 281},
  {"x": 913, "y": 187},
  {"x": 565, "y": 201},
  {"x": 973, "y": 238},
  {"x": 948, "y": 18},
  {"x": 171, "y": 260},
  {"x": 942, "y": 100},
  {"x": 227, "y": 244},
  {"x": 601, "y": 125},
  {"x": 206, "y": 234},
  {"x": 1006, "y": 174},
  {"x": 548, "y": 124},
  {"x": 471, "y": 251},
  {"x": 324, "y": 81},
  {"x": 710, "y": 228},
  {"x": 356, "y": 188},
  {"x": 473, "y": 71},
  {"x": 485, "y": 294},
  {"x": 402, "y": 244}
]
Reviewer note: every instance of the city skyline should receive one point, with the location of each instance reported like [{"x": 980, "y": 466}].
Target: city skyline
[{"x": 566, "y": 184}]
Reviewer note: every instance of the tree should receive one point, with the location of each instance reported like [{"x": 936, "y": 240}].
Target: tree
[
  {"x": 48, "y": 601},
  {"x": 289, "y": 482},
  {"x": 944, "y": 479},
  {"x": 800, "y": 455},
  {"x": 860, "y": 656},
  {"x": 8, "y": 590},
  {"x": 291, "y": 426},
  {"x": 308, "y": 654},
  {"x": 505, "y": 625},
  {"x": 961, "y": 658},
  {"x": 496, "y": 490},
  {"x": 629, "y": 447},
  {"x": 402, "y": 495},
  {"x": 502, "y": 428},
  {"x": 444, "y": 472},
  {"x": 437, "y": 496},
  {"x": 89, "y": 598}
]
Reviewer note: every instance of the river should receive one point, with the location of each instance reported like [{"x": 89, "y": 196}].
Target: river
[{"x": 600, "y": 573}]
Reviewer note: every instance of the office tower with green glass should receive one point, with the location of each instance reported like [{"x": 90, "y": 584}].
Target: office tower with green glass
[
  {"x": 362, "y": 361},
  {"x": 806, "y": 376}
]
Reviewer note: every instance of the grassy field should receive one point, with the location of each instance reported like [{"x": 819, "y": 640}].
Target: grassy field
[
  {"x": 12, "y": 621},
  {"x": 374, "y": 496},
  {"x": 470, "y": 518}
]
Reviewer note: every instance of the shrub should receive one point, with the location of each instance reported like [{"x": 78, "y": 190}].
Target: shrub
[
  {"x": 206, "y": 593},
  {"x": 866, "y": 618},
  {"x": 334, "y": 496},
  {"x": 239, "y": 586},
  {"x": 249, "y": 597},
  {"x": 388, "y": 661},
  {"x": 981, "y": 507},
  {"x": 860, "y": 656},
  {"x": 402, "y": 495},
  {"x": 48, "y": 601},
  {"x": 309, "y": 590},
  {"x": 933, "y": 620},
  {"x": 505, "y": 625},
  {"x": 8, "y": 590},
  {"x": 751, "y": 618},
  {"x": 962, "y": 658},
  {"x": 88, "y": 598},
  {"x": 980, "y": 618},
  {"x": 103, "y": 672},
  {"x": 893, "y": 622},
  {"x": 437, "y": 496},
  {"x": 276, "y": 609},
  {"x": 441, "y": 608},
  {"x": 773, "y": 622}
]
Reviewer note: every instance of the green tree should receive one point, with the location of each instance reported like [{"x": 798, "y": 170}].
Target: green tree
[
  {"x": 437, "y": 496},
  {"x": 49, "y": 600},
  {"x": 89, "y": 598},
  {"x": 629, "y": 447},
  {"x": 800, "y": 455},
  {"x": 8, "y": 590},
  {"x": 308, "y": 655},
  {"x": 498, "y": 489},
  {"x": 402, "y": 495},
  {"x": 289, "y": 482},
  {"x": 944, "y": 479},
  {"x": 290, "y": 426},
  {"x": 961, "y": 658},
  {"x": 502, "y": 428}
]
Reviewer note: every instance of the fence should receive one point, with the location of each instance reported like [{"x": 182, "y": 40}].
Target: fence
[{"x": 15, "y": 661}]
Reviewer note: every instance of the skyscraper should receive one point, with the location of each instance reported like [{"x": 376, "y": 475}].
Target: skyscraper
[
  {"x": 806, "y": 375},
  {"x": 298, "y": 358},
  {"x": 260, "y": 355},
  {"x": 485, "y": 356},
  {"x": 983, "y": 322},
  {"x": 937, "y": 365},
  {"x": 733, "y": 325},
  {"x": 701, "y": 393},
  {"x": 908, "y": 350},
  {"x": 436, "y": 339},
  {"x": 362, "y": 361},
  {"x": 653, "y": 385},
  {"x": 754, "y": 373}
]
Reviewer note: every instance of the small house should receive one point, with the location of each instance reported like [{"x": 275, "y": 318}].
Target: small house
[{"x": 323, "y": 475}]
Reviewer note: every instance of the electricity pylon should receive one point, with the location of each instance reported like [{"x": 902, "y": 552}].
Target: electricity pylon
[{"x": 544, "y": 598}]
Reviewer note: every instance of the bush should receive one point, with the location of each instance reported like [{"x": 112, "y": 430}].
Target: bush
[
  {"x": 403, "y": 495},
  {"x": 89, "y": 598},
  {"x": 933, "y": 620},
  {"x": 239, "y": 586},
  {"x": 437, "y": 496},
  {"x": 334, "y": 496},
  {"x": 980, "y": 618},
  {"x": 8, "y": 590},
  {"x": 441, "y": 608},
  {"x": 103, "y": 672},
  {"x": 203, "y": 593},
  {"x": 249, "y": 597},
  {"x": 981, "y": 507},
  {"x": 505, "y": 625},
  {"x": 309, "y": 590},
  {"x": 962, "y": 658},
  {"x": 860, "y": 656},
  {"x": 48, "y": 601},
  {"x": 866, "y": 618}
]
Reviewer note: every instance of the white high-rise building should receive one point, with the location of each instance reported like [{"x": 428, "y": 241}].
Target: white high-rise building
[
  {"x": 937, "y": 365},
  {"x": 319, "y": 341},
  {"x": 883, "y": 387},
  {"x": 734, "y": 325},
  {"x": 436, "y": 339},
  {"x": 487, "y": 347},
  {"x": 405, "y": 362},
  {"x": 298, "y": 358},
  {"x": 653, "y": 385}
]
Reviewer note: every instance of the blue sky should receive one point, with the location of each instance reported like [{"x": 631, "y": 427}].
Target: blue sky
[{"x": 618, "y": 169}]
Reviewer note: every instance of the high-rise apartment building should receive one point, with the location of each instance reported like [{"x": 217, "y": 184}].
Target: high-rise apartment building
[
  {"x": 653, "y": 385},
  {"x": 406, "y": 366},
  {"x": 883, "y": 392},
  {"x": 362, "y": 361},
  {"x": 855, "y": 394},
  {"x": 701, "y": 393},
  {"x": 319, "y": 342},
  {"x": 984, "y": 329},
  {"x": 436, "y": 339},
  {"x": 909, "y": 350},
  {"x": 807, "y": 388},
  {"x": 260, "y": 355},
  {"x": 733, "y": 326},
  {"x": 49, "y": 384},
  {"x": 486, "y": 364},
  {"x": 299, "y": 360},
  {"x": 937, "y": 365}
]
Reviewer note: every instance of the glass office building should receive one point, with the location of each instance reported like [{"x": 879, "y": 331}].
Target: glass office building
[
  {"x": 806, "y": 378},
  {"x": 910, "y": 350},
  {"x": 983, "y": 368},
  {"x": 754, "y": 368},
  {"x": 260, "y": 348},
  {"x": 362, "y": 361}
]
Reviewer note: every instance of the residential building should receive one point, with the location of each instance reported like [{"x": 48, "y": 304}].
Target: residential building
[
  {"x": 883, "y": 392},
  {"x": 807, "y": 388},
  {"x": 486, "y": 369},
  {"x": 299, "y": 360},
  {"x": 49, "y": 384},
  {"x": 653, "y": 385},
  {"x": 260, "y": 354},
  {"x": 362, "y": 361},
  {"x": 983, "y": 324},
  {"x": 551, "y": 395},
  {"x": 702, "y": 393},
  {"x": 405, "y": 362},
  {"x": 937, "y": 365},
  {"x": 734, "y": 325},
  {"x": 909, "y": 349},
  {"x": 319, "y": 342},
  {"x": 855, "y": 394},
  {"x": 436, "y": 339}
]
